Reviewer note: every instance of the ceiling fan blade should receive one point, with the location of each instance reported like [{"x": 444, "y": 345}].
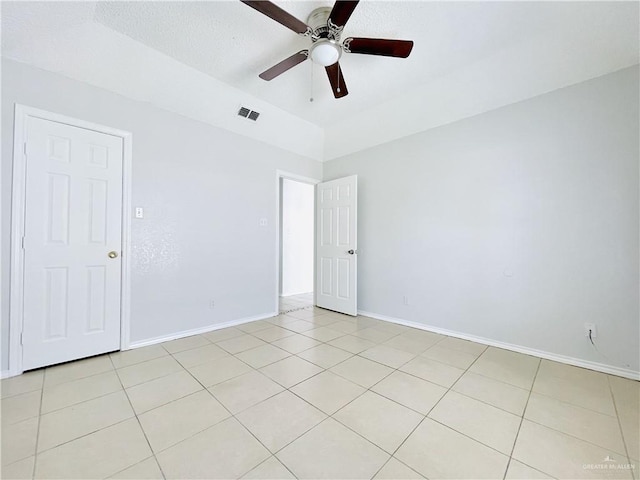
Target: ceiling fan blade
[
  {"x": 341, "y": 11},
  {"x": 274, "y": 12},
  {"x": 285, "y": 65},
  {"x": 379, "y": 46},
  {"x": 334, "y": 72}
]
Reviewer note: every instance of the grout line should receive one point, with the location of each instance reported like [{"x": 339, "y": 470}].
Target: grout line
[
  {"x": 575, "y": 405},
  {"x": 107, "y": 393},
  {"x": 323, "y": 369},
  {"x": 624, "y": 440},
  {"x": 485, "y": 402},
  {"x": 93, "y": 431},
  {"x": 574, "y": 437},
  {"x": 288, "y": 443},
  {"x": 498, "y": 380},
  {"x": 87, "y": 434},
  {"x": 93, "y": 375},
  {"x": 400, "y": 462},
  {"x": 396, "y": 369},
  {"x": 75, "y": 379},
  {"x": 327, "y": 417},
  {"x": 431, "y": 409},
  {"x": 35, "y": 454},
  {"x": 155, "y": 346},
  {"x": 447, "y": 426},
  {"x": 288, "y": 389},
  {"x": 231, "y": 415},
  {"x": 138, "y": 463},
  {"x": 205, "y": 388},
  {"x": 234, "y": 416},
  {"x": 140, "y": 426},
  {"x": 515, "y": 440},
  {"x": 147, "y": 381},
  {"x": 266, "y": 460},
  {"x": 572, "y": 405},
  {"x": 393, "y": 370},
  {"x": 194, "y": 347}
]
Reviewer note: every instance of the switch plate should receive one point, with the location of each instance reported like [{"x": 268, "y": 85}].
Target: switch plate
[{"x": 139, "y": 212}]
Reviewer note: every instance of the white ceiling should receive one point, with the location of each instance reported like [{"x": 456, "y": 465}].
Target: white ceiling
[
  {"x": 234, "y": 43},
  {"x": 493, "y": 53}
]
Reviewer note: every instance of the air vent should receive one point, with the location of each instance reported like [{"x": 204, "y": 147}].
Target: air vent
[{"x": 250, "y": 114}]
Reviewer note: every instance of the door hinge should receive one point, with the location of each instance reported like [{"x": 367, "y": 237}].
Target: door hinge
[
  {"x": 24, "y": 148},
  {"x": 21, "y": 338},
  {"x": 23, "y": 243}
]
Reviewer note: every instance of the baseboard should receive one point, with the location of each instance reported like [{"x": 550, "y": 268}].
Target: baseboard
[
  {"x": 198, "y": 331},
  {"x": 177, "y": 335},
  {"x": 599, "y": 367},
  {"x": 291, "y": 294}
]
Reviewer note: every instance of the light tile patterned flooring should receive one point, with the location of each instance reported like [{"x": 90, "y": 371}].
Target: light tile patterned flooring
[{"x": 315, "y": 394}]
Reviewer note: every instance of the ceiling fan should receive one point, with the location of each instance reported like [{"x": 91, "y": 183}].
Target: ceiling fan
[{"x": 324, "y": 26}]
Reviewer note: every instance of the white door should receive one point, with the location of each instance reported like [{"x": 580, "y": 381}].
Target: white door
[
  {"x": 73, "y": 227},
  {"x": 336, "y": 244}
]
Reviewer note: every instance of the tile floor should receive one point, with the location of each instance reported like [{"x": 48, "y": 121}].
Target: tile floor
[{"x": 315, "y": 394}]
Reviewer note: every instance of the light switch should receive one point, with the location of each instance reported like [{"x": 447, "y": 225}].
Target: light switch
[
  {"x": 139, "y": 212},
  {"x": 263, "y": 222}
]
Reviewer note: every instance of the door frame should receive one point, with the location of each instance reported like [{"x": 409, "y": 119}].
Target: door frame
[
  {"x": 18, "y": 200},
  {"x": 281, "y": 174}
]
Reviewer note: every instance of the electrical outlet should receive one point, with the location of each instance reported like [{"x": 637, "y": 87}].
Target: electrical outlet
[
  {"x": 590, "y": 327},
  {"x": 212, "y": 304},
  {"x": 405, "y": 300}
]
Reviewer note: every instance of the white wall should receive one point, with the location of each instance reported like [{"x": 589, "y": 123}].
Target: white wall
[
  {"x": 297, "y": 237},
  {"x": 518, "y": 225},
  {"x": 204, "y": 190}
]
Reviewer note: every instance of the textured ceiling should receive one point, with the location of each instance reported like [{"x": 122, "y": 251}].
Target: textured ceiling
[
  {"x": 234, "y": 43},
  {"x": 530, "y": 47}
]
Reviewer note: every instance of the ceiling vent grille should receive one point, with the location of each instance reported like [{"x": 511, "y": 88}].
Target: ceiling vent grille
[{"x": 249, "y": 114}]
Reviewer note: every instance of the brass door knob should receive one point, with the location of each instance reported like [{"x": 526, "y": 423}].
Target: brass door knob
[{"x": 113, "y": 254}]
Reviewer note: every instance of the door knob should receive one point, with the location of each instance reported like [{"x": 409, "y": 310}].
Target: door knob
[
  {"x": 113, "y": 254},
  {"x": 351, "y": 252}
]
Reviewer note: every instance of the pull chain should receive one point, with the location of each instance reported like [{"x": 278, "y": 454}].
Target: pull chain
[
  {"x": 338, "y": 73},
  {"x": 311, "y": 89}
]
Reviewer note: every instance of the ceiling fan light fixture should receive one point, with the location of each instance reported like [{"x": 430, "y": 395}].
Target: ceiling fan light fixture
[{"x": 325, "y": 52}]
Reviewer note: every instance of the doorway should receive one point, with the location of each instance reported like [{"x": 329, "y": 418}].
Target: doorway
[{"x": 297, "y": 219}]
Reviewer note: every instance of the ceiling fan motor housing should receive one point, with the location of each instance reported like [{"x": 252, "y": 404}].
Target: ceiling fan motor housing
[
  {"x": 318, "y": 20},
  {"x": 326, "y": 49}
]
